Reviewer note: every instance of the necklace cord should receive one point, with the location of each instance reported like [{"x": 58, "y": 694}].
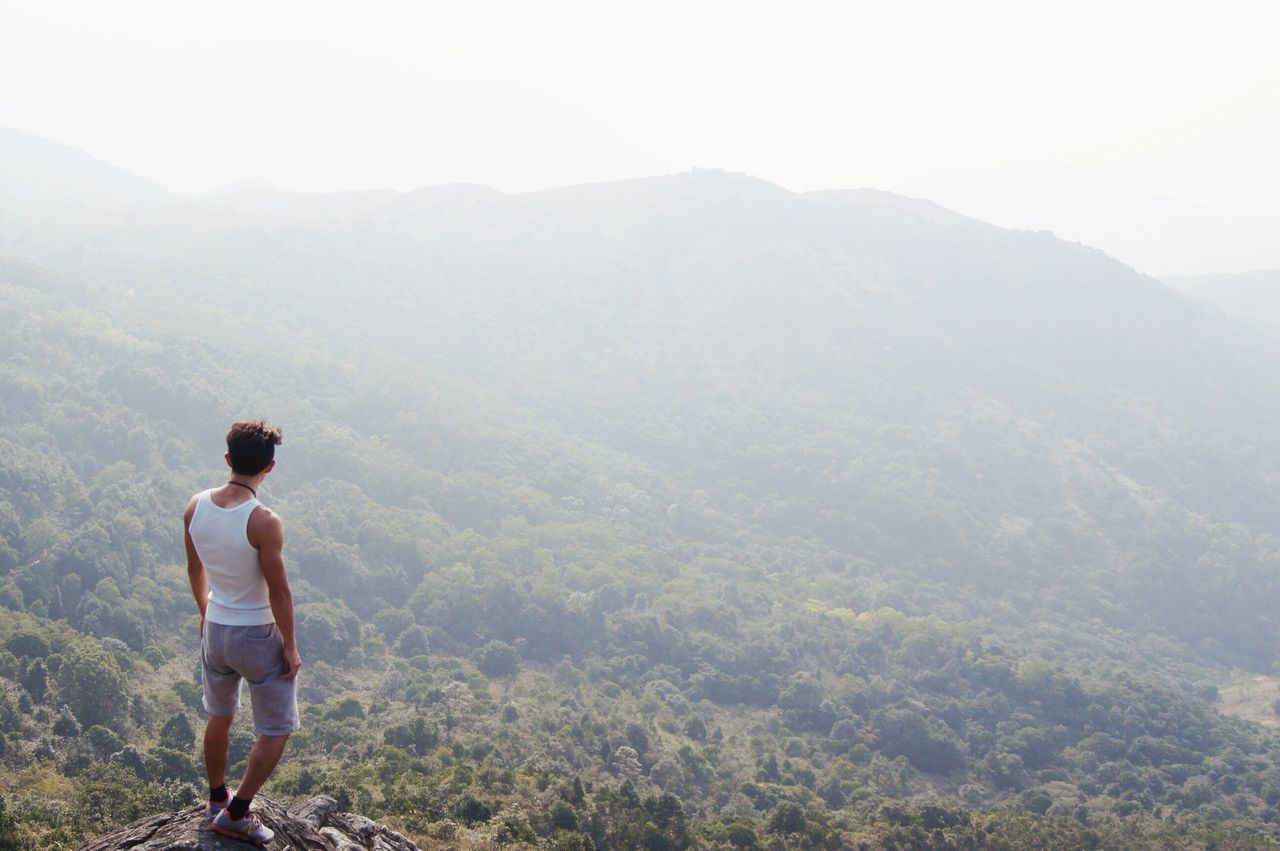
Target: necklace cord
[{"x": 243, "y": 485}]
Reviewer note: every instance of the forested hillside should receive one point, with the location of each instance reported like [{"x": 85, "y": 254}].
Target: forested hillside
[{"x": 683, "y": 512}]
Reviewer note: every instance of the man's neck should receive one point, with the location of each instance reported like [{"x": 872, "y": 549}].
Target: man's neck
[
  {"x": 237, "y": 490},
  {"x": 246, "y": 483}
]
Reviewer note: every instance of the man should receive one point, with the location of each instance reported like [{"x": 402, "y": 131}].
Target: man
[{"x": 235, "y": 563}]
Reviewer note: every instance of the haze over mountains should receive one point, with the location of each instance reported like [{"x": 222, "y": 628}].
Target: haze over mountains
[
  {"x": 852, "y": 326},
  {"x": 905, "y": 503},
  {"x": 33, "y": 168},
  {"x": 1157, "y": 235},
  {"x": 1253, "y": 296},
  {"x": 1154, "y": 234}
]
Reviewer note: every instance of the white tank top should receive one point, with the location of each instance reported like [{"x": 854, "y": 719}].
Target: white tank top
[{"x": 237, "y": 590}]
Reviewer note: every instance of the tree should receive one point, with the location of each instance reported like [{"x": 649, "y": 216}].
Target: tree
[
  {"x": 513, "y": 827},
  {"x": 563, "y": 816},
  {"x": 327, "y": 630},
  {"x": 420, "y": 736},
  {"x": 392, "y": 622},
  {"x": 35, "y": 679},
  {"x": 10, "y": 839},
  {"x": 130, "y": 758},
  {"x": 638, "y": 738},
  {"x": 26, "y": 644},
  {"x": 627, "y": 762},
  {"x": 928, "y": 743},
  {"x": 413, "y": 642},
  {"x": 348, "y": 707},
  {"x": 66, "y": 725},
  {"x": 832, "y": 793},
  {"x": 1037, "y": 801},
  {"x": 104, "y": 741},
  {"x": 169, "y": 764},
  {"x": 665, "y": 826},
  {"x": 787, "y": 817},
  {"x": 471, "y": 811},
  {"x": 90, "y": 682},
  {"x": 177, "y": 733},
  {"x": 497, "y": 659},
  {"x": 696, "y": 729}
]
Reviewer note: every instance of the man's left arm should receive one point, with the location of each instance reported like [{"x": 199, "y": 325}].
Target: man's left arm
[{"x": 267, "y": 534}]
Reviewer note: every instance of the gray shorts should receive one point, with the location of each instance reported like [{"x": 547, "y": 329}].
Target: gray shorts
[{"x": 255, "y": 654}]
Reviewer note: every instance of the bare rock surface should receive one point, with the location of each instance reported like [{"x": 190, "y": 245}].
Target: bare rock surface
[{"x": 314, "y": 825}]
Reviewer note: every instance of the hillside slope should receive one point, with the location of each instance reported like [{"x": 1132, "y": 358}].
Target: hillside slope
[
  {"x": 654, "y": 512},
  {"x": 37, "y": 169},
  {"x": 893, "y": 382},
  {"x": 1252, "y": 296}
]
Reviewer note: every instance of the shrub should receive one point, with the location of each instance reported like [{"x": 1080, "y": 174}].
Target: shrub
[
  {"x": 471, "y": 811},
  {"x": 497, "y": 659}
]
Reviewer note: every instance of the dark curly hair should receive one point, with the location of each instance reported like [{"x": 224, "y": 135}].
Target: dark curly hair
[{"x": 252, "y": 445}]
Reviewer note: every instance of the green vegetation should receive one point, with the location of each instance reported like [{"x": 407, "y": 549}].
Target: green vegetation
[{"x": 682, "y": 513}]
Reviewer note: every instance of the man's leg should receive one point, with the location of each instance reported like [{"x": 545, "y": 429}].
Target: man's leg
[
  {"x": 236, "y": 819},
  {"x": 221, "y": 699},
  {"x": 262, "y": 761},
  {"x": 275, "y": 714},
  {"x": 217, "y": 742}
]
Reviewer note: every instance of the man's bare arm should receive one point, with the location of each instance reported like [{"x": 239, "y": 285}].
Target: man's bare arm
[
  {"x": 266, "y": 532},
  {"x": 195, "y": 567}
]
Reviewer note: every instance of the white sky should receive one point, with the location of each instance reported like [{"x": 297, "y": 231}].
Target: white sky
[{"x": 1157, "y": 98}]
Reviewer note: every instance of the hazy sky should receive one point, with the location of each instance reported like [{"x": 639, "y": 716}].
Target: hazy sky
[{"x": 1157, "y": 98}]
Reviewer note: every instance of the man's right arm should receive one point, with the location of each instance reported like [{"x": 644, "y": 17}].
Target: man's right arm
[
  {"x": 195, "y": 567},
  {"x": 268, "y": 537}
]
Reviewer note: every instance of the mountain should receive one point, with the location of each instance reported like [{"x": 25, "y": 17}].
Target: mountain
[
  {"x": 782, "y": 353},
  {"x": 677, "y": 512},
  {"x": 36, "y": 169},
  {"x": 1158, "y": 235},
  {"x": 1253, "y": 296}
]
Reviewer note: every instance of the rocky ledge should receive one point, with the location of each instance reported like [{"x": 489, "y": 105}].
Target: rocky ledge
[{"x": 315, "y": 825}]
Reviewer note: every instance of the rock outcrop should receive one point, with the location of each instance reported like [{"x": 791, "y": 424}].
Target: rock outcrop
[{"x": 315, "y": 825}]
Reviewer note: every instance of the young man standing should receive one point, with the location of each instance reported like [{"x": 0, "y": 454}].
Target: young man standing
[{"x": 236, "y": 566}]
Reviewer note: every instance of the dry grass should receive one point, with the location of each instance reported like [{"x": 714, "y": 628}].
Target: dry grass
[{"x": 1251, "y": 697}]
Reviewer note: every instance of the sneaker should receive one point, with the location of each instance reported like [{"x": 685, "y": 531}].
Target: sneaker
[
  {"x": 216, "y": 807},
  {"x": 248, "y": 829}
]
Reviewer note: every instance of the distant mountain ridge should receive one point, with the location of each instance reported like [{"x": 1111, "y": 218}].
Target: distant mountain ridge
[
  {"x": 611, "y": 504},
  {"x": 33, "y": 168},
  {"x": 1249, "y": 295},
  {"x": 1157, "y": 235},
  {"x": 786, "y": 348}
]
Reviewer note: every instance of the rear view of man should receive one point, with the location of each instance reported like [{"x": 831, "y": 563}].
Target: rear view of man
[{"x": 236, "y": 566}]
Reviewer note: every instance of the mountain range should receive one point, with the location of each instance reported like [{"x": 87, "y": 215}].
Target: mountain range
[
  {"x": 908, "y": 507},
  {"x": 33, "y": 168}
]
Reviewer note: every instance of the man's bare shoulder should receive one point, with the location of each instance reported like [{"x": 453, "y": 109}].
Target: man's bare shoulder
[
  {"x": 264, "y": 521},
  {"x": 190, "y": 510},
  {"x": 266, "y": 531}
]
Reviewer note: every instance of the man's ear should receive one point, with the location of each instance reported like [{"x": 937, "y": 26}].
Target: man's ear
[
  {"x": 227, "y": 455},
  {"x": 271, "y": 465}
]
